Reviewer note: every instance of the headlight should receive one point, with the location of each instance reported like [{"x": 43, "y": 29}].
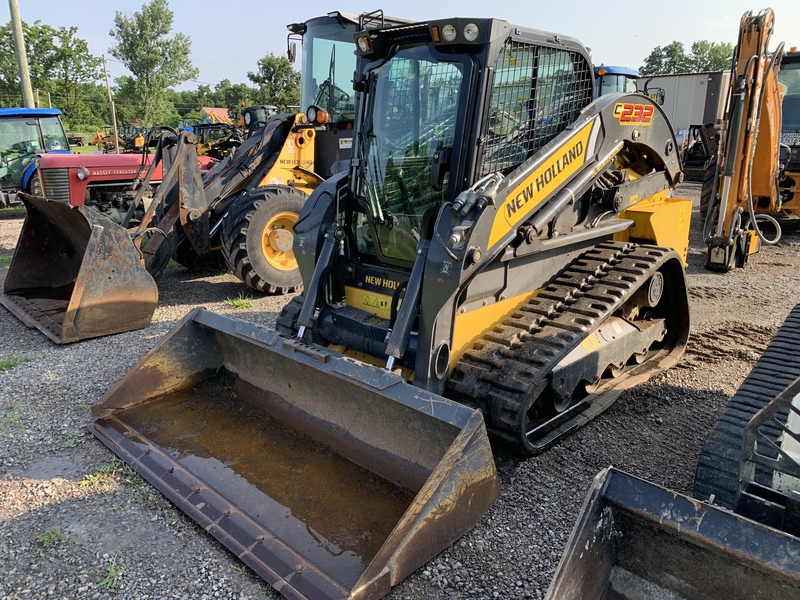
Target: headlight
[
  {"x": 363, "y": 44},
  {"x": 82, "y": 173},
  {"x": 471, "y": 32},
  {"x": 311, "y": 114},
  {"x": 247, "y": 118},
  {"x": 449, "y": 32}
]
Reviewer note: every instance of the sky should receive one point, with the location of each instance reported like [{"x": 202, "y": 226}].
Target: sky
[{"x": 229, "y": 38}]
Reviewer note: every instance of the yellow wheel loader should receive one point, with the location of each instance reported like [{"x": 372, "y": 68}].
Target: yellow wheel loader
[
  {"x": 738, "y": 539},
  {"x": 502, "y": 248},
  {"x": 240, "y": 214},
  {"x": 755, "y": 176}
]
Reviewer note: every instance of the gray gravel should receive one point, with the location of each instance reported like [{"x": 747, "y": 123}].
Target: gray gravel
[{"x": 74, "y": 523}]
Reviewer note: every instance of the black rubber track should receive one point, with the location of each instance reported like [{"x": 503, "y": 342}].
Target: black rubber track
[{"x": 718, "y": 467}]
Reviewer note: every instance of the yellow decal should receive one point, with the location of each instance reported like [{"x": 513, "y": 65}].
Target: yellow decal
[
  {"x": 377, "y": 304},
  {"x": 634, "y": 114},
  {"x": 545, "y": 180},
  {"x": 590, "y": 343}
]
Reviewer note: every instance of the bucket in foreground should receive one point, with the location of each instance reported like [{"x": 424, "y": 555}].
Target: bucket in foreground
[
  {"x": 637, "y": 541},
  {"x": 328, "y": 477},
  {"x": 76, "y": 274}
]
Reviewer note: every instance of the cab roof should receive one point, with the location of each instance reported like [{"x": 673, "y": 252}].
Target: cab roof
[{"x": 29, "y": 112}]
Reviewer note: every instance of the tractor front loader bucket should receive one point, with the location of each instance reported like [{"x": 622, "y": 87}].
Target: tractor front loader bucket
[
  {"x": 637, "y": 541},
  {"x": 76, "y": 274},
  {"x": 330, "y": 478}
]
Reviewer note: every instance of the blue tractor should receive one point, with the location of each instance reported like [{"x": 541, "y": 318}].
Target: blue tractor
[
  {"x": 614, "y": 79},
  {"x": 26, "y": 133}
]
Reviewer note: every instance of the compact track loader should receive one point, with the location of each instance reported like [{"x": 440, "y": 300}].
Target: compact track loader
[
  {"x": 740, "y": 537},
  {"x": 755, "y": 175},
  {"x": 501, "y": 244},
  {"x": 240, "y": 214}
]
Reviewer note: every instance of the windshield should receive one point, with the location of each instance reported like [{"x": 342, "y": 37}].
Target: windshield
[
  {"x": 19, "y": 140},
  {"x": 608, "y": 84},
  {"x": 405, "y": 145},
  {"x": 789, "y": 76},
  {"x": 329, "y": 61}
]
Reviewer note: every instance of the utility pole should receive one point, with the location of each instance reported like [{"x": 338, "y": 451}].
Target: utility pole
[
  {"x": 113, "y": 110},
  {"x": 22, "y": 57}
]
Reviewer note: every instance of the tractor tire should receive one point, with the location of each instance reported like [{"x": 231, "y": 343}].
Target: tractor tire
[
  {"x": 185, "y": 256},
  {"x": 257, "y": 238},
  {"x": 706, "y": 191},
  {"x": 35, "y": 185}
]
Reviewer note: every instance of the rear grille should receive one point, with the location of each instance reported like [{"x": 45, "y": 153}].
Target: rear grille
[{"x": 56, "y": 184}]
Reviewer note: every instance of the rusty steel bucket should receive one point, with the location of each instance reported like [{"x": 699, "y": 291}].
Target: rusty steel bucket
[
  {"x": 76, "y": 274},
  {"x": 635, "y": 540},
  {"x": 330, "y": 478}
]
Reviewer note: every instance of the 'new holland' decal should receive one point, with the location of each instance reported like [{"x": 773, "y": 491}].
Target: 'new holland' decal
[{"x": 546, "y": 179}]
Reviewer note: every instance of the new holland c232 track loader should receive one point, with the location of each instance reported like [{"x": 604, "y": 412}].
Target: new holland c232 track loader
[{"x": 503, "y": 249}]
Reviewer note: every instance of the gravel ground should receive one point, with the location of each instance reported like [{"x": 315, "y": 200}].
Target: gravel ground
[{"x": 75, "y": 523}]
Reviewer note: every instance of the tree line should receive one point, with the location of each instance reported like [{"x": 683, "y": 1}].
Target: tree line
[{"x": 67, "y": 76}]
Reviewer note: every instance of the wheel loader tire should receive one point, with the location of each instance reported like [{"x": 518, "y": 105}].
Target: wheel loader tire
[
  {"x": 185, "y": 256},
  {"x": 706, "y": 191},
  {"x": 257, "y": 238}
]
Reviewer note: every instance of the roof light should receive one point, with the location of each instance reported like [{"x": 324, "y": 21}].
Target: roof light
[
  {"x": 471, "y": 32},
  {"x": 449, "y": 32},
  {"x": 363, "y": 44}
]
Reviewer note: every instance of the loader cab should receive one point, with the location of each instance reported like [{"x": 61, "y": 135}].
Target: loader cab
[
  {"x": 444, "y": 104},
  {"x": 610, "y": 79},
  {"x": 26, "y": 133},
  {"x": 789, "y": 78}
]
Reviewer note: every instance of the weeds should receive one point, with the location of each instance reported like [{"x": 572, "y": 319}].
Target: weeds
[
  {"x": 115, "y": 507},
  {"x": 112, "y": 575},
  {"x": 9, "y": 362},
  {"x": 5, "y": 260},
  {"x": 51, "y": 538},
  {"x": 12, "y": 415},
  {"x": 104, "y": 479},
  {"x": 239, "y": 302},
  {"x": 71, "y": 442}
]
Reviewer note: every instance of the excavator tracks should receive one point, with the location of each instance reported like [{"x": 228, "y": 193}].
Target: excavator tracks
[
  {"x": 506, "y": 373},
  {"x": 718, "y": 466}
]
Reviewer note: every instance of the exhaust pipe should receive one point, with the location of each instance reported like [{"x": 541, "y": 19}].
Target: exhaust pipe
[{"x": 330, "y": 478}]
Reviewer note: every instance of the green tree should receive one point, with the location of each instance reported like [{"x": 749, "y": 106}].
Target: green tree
[
  {"x": 60, "y": 64},
  {"x": 278, "y": 83},
  {"x": 156, "y": 61},
  {"x": 704, "y": 56},
  {"x": 711, "y": 56},
  {"x": 666, "y": 60}
]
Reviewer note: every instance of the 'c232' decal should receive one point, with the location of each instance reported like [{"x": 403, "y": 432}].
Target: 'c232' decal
[{"x": 634, "y": 114}]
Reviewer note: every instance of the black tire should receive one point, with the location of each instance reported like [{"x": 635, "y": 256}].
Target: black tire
[
  {"x": 257, "y": 261},
  {"x": 185, "y": 256},
  {"x": 706, "y": 191},
  {"x": 35, "y": 184}
]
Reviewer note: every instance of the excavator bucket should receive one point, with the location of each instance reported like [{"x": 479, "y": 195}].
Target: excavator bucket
[
  {"x": 76, "y": 274},
  {"x": 637, "y": 541},
  {"x": 330, "y": 478}
]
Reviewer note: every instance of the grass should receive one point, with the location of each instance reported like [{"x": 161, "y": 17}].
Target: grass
[
  {"x": 104, "y": 479},
  {"x": 12, "y": 415},
  {"x": 85, "y": 149},
  {"x": 51, "y": 538},
  {"x": 112, "y": 575},
  {"x": 9, "y": 362},
  {"x": 239, "y": 302},
  {"x": 5, "y": 260},
  {"x": 71, "y": 442}
]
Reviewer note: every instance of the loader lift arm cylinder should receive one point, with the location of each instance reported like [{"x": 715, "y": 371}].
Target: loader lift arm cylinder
[
  {"x": 398, "y": 336},
  {"x": 332, "y": 239}
]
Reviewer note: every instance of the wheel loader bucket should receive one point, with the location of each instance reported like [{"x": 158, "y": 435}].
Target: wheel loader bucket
[
  {"x": 635, "y": 540},
  {"x": 330, "y": 478},
  {"x": 76, "y": 274}
]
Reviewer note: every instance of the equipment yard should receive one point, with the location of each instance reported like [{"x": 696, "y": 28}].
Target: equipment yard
[{"x": 76, "y": 522}]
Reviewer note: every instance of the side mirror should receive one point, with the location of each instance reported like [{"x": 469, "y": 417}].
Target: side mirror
[{"x": 291, "y": 51}]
